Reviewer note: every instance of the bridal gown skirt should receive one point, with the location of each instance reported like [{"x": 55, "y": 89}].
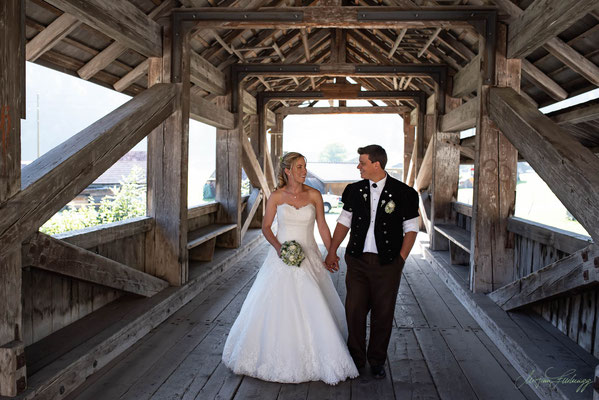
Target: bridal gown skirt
[{"x": 292, "y": 326}]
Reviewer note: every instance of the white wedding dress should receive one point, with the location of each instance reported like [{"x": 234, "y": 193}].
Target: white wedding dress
[{"x": 292, "y": 326}]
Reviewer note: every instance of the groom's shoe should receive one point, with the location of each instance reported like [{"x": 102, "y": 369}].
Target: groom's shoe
[{"x": 378, "y": 371}]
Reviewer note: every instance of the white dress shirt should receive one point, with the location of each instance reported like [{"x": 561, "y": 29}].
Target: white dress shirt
[{"x": 410, "y": 225}]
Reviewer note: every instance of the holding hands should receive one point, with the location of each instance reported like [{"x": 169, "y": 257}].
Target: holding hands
[{"x": 331, "y": 262}]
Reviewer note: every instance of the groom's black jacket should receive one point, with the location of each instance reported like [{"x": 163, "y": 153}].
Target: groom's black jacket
[{"x": 388, "y": 226}]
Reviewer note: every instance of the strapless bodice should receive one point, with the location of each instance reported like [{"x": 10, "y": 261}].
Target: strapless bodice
[{"x": 296, "y": 224}]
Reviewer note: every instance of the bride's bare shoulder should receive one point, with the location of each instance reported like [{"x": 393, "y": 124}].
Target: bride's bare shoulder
[{"x": 276, "y": 195}]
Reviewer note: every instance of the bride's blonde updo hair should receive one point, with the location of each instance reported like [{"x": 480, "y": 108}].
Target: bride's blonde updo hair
[{"x": 287, "y": 161}]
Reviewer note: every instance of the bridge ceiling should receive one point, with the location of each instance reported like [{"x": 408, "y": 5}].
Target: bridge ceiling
[{"x": 549, "y": 74}]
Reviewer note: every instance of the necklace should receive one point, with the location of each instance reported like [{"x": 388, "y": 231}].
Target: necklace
[{"x": 291, "y": 194}]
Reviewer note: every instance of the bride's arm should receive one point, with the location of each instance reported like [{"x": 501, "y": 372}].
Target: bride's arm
[
  {"x": 323, "y": 228},
  {"x": 269, "y": 216}
]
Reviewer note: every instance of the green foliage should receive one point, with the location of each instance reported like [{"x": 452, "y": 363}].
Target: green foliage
[
  {"x": 245, "y": 187},
  {"x": 333, "y": 152},
  {"x": 126, "y": 201}
]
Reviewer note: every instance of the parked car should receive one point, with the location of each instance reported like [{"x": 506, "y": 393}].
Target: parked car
[{"x": 330, "y": 201}]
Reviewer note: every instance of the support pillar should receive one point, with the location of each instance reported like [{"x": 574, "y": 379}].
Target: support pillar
[
  {"x": 167, "y": 167},
  {"x": 228, "y": 170},
  {"x": 495, "y": 168},
  {"x": 276, "y": 142},
  {"x": 258, "y": 146},
  {"x": 13, "y": 377},
  {"x": 445, "y": 173},
  {"x": 409, "y": 133}
]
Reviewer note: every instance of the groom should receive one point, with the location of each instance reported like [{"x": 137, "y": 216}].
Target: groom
[{"x": 382, "y": 213}]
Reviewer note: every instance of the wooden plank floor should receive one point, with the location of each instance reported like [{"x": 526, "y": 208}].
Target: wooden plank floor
[{"x": 437, "y": 351}]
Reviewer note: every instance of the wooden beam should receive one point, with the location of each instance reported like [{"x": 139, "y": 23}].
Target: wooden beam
[
  {"x": 52, "y": 180},
  {"x": 271, "y": 119},
  {"x": 341, "y": 70},
  {"x": 54, "y": 33},
  {"x": 133, "y": 75},
  {"x": 346, "y": 17},
  {"x": 495, "y": 171},
  {"x": 343, "y": 95},
  {"x": 13, "y": 374},
  {"x": 269, "y": 169},
  {"x": 101, "y": 60},
  {"x": 560, "y": 239},
  {"x": 467, "y": 152},
  {"x": 120, "y": 20},
  {"x": 543, "y": 20},
  {"x": 168, "y": 154},
  {"x": 206, "y": 75},
  {"x": 248, "y": 103},
  {"x": 338, "y": 46},
  {"x": 465, "y": 81},
  {"x": 558, "y": 48},
  {"x": 398, "y": 39},
  {"x": 412, "y": 166},
  {"x": 560, "y": 160},
  {"x": 116, "y": 49},
  {"x": 253, "y": 206},
  {"x": 573, "y": 59},
  {"x": 252, "y": 168},
  {"x": 45, "y": 252},
  {"x": 575, "y": 272},
  {"x": 430, "y": 40},
  {"x": 576, "y": 114},
  {"x": 98, "y": 235},
  {"x": 461, "y": 118},
  {"x": 305, "y": 43},
  {"x": 542, "y": 81},
  {"x": 409, "y": 133},
  {"x": 425, "y": 173},
  {"x": 230, "y": 144},
  {"x": 445, "y": 167},
  {"x": 209, "y": 113},
  {"x": 341, "y": 110}
]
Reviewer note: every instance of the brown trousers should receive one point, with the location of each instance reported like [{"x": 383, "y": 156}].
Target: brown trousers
[{"x": 370, "y": 287}]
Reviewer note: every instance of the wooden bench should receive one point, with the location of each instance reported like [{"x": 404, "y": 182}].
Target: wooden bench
[
  {"x": 459, "y": 242},
  {"x": 202, "y": 242}
]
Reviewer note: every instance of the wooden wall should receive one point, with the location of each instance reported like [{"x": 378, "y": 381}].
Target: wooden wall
[
  {"x": 52, "y": 301},
  {"x": 536, "y": 246},
  {"x": 463, "y": 215}
]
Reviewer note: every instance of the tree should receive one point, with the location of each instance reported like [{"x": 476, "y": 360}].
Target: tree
[
  {"x": 127, "y": 201},
  {"x": 333, "y": 152}
]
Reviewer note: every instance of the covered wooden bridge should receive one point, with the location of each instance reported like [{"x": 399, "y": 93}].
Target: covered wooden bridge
[{"x": 491, "y": 306}]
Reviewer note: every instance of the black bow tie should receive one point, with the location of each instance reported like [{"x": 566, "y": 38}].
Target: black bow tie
[{"x": 374, "y": 185}]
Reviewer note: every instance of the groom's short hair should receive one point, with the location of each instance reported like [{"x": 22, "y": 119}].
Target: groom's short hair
[{"x": 375, "y": 153}]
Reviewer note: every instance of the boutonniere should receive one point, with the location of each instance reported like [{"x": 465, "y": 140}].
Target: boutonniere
[
  {"x": 390, "y": 207},
  {"x": 365, "y": 196}
]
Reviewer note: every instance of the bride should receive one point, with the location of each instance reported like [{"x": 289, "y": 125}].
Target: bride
[{"x": 292, "y": 326}]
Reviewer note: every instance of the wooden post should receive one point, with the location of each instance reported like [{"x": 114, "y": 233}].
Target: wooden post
[
  {"x": 495, "y": 167},
  {"x": 408, "y": 143},
  {"x": 258, "y": 145},
  {"x": 12, "y": 109},
  {"x": 228, "y": 170},
  {"x": 419, "y": 142},
  {"x": 276, "y": 142},
  {"x": 167, "y": 167},
  {"x": 445, "y": 173}
]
